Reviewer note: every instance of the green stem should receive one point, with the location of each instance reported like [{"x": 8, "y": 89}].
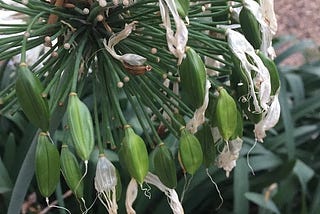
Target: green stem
[
  {"x": 77, "y": 64},
  {"x": 25, "y": 38},
  {"x": 96, "y": 119}
]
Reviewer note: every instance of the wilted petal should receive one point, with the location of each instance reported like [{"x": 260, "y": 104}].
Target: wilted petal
[
  {"x": 199, "y": 115},
  {"x": 229, "y": 155},
  {"x": 131, "y": 195},
  {"x": 172, "y": 195},
  {"x": 133, "y": 59},
  {"x": 269, "y": 120}
]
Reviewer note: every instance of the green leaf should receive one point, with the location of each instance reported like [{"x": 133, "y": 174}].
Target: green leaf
[
  {"x": 259, "y": 199},
  {"x": 5, "y": 181},
  {"x": 241, "y": 186},
  {"x": 304, "y": 174}
]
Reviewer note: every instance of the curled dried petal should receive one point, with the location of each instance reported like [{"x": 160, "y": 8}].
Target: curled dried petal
[{"x": 131, "y": 195}]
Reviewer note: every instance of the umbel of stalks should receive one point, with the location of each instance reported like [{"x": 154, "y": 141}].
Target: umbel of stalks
[
  {"x": 134, "y": 154},
  {"x": 164, "y": 166},
  {"x": 193, "y": 79},
  {"x": 71, "y": 171},
  {"x": 190, "y": 152},
  {"x": 80, "y": 126},
  {"x": 226, "y": 114},
  {"x": 47, "y": 164},
  {"x": 29, "y": 93}
]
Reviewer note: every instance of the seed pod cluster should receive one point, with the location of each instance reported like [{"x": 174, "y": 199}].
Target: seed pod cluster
[
  {"x": 190, "y": 152},
  {"x": 71, "y": 171},
  {"x": 135, "y": 155},
  {"x": 47, "y": 165},
  {"x": 80, "y": 126},
  {"x": 164, "y": 166},
  {"x": 28, "y": 90},
  {"x": 226, "y": 114},
  {"x": 250, "y": 27},
  {"x": 193, "y": 79}
]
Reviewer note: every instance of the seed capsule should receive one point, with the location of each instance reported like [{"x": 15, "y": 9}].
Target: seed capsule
[
  {"x": 190, "y": 152},
  {"x": 71, "y": 171},
  {"x": 273, "y": 71},
  {"x": 193, "y": 79},
  {"x": 226, "y": 114},
  {"x": 28, "y": 90},
  {"x": 164, "y": 166},
  {"x": 134, "y": 154},
  {"x": 182, "y": 7},
  {"x": 81, "y": 127},
  {"x": 250, "y": 27},
  {"x": 206, "y": 140},
  {"x": 47, "y": 165}
]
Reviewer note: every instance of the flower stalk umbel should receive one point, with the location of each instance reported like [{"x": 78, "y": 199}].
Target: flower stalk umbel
[{"x": 146, "y": 71}]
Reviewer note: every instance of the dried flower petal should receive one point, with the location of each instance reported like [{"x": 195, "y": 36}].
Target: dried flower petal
[
  {"x": 229, "y": 155},
  {"x": 172, "y": 195},
  {"x": 176, "y": 42},
  {"x": 131, "y": 195},
  {"x": 199, "y": 115},
  {"x": 269, "y": 120}
]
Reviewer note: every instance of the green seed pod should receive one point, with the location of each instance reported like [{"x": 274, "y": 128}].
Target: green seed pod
[
  {"x": 190, "y": 152},
  {"x": 164, "y": 166},
  {"x": 80, "y": 126},
  {"x": 28, "y": 90},
  {"x": 135, "y": 155},
  {"x": 71, "y": 171},
  {"x": 250, "y": 27},
  {"x": 273, "y": 71},
  {"x": 206, "y": 140},
  {"x": 47, "y": 165},
  {"x": 240, "y": 83},
  {"x": 182, "y": 7},
  {"x": 226, "y": 114},
  {"x": 193, "y": 79},
  {"x": 239, "y": 130}
]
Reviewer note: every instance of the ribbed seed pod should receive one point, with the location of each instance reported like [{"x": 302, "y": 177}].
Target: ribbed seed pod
[
  {"x": 190, "y": 152},
  {"x": 71, "y": 171},
  {"x": 135, "y": 155},
  {"x": 80, "y": 126},
  {"x": 47, "y": 165},
  {"x": 182, "y": 7},
  {"x": 226, "y": 114},
  {"x": 250, "y": 27},
  {"x": 273, "y": 71},
  {"x": 28, "y": 90},
  {"x": 193, "y": 79},
  {"x": 206, "y": 140},
  {"x": 164, "y": 166}
]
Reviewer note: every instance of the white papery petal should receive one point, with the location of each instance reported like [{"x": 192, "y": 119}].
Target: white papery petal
[
  {"x": 131, "y": 195},
  {"x": 199, "y": 115},
  {"x": 229, "y": 155},
  {"x": 172, "y": 195},
  {"x": 133, "y": 59},
  {"x": 267, "y": 7},
  {"x": 106, "y": 177},
  {"x": 176, "y": 41},
  {"x": 240, "y": 47},
  {"x": 269, "y": 120}
]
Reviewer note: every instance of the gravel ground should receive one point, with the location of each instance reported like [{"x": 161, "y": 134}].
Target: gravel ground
[{"x": 300, "y": 18}]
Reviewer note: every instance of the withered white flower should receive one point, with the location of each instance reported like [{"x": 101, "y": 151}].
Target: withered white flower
[
  {"x": 172, "y": 195},
  {"x": 131, "y": 195},
  {"x": 199, "y": 115},
  {"x": 105, "y": 183},
  {"x": 259, "y": 85},
  {"x": 229, "y": 155},
  {"x": 269, "y": 119},
  {"x": 129, "y": 58},
  {"x": 176, "y": 41}
]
